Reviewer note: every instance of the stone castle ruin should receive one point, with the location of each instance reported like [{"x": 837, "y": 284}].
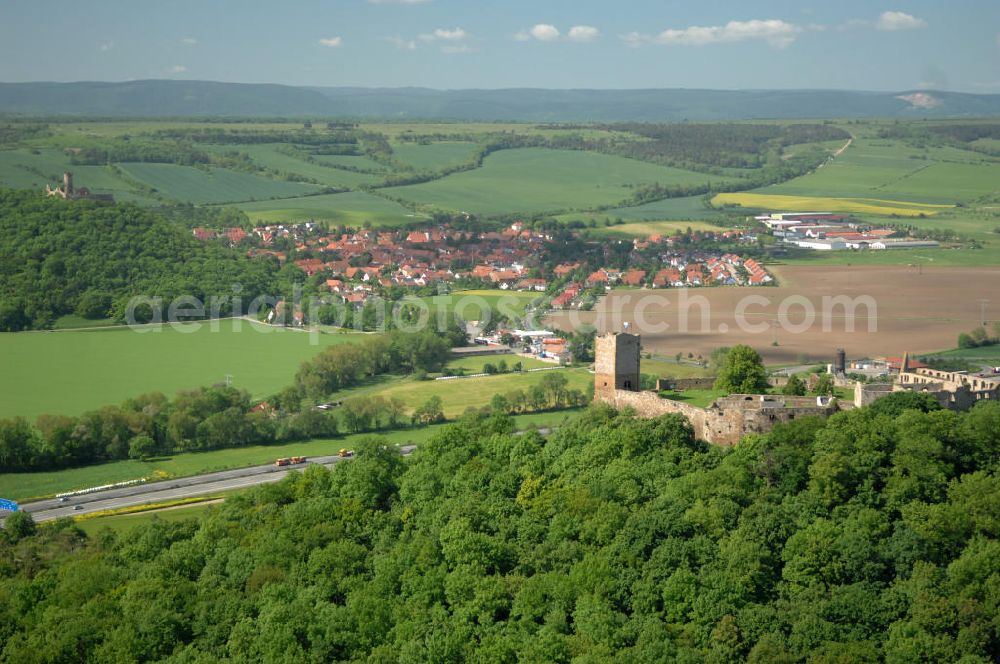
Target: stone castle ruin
[
  {"x": 955, "y": 390},
  {"x": 71, "y": 193},
  {"x": 725, "y": 422}
]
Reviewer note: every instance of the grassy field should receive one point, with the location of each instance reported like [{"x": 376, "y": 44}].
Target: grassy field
[
  {"x": 475, "y": 364},
  {"x": 352, "y": 208},
  {"x": 672, "y": 370},
  {"x": 350, "y": 161},
  {"x": 70, "y": 372},
  {"x": 647, "y": 228},
  {"x": 434, "y": 156},
  {"x": 984, "y": 354},
  {"x": 939, "y": 257},
  {"x": 74, "y": 322},
  {"x": 25, "y": 486},
  {"x": 699, "y": 398},
  {"x": 689, "y": 209},
  {"x": 774, "y": 201},
  {"x": 879, "y": 177},
  {"x": 213, "y": 185},
  {"x": 268, "y": 156},
  {"x": 883, "y": 170},
  {"x": 460, "y": 394},
  {"x": 686, "y": 207},
  {"x": 123, "y": 523},
  {"x": 536, "y": 180},
  {"x": 472, "y": 304}
]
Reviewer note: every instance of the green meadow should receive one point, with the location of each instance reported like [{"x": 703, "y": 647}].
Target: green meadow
[
  {"x": 350, "y": 162},
  {"x": 434, "y": 156},
  {"x": 983, "y": 354},
  {"x": 686, "y": 207},
  {"x": 74, "y": 371},
  {"x": 536, "y": 180},
  {"x": 353, "y": 208},
  {"x": 270, "y": 156},
  {"x": 211, "y": 185},
  {"x": 890, "y": 170},
  {"x": 460, "y": 394},
  {"x": 472, "y": 304},
  {"x": 988, "y": 256},
  {"x": 476, "y": 364},
  {"x": 644, "y": 229},
  {"x": 123, "y": 523}
]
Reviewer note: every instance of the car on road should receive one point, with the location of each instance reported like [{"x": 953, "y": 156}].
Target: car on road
[
  {"x": 64, "y": 499},
  {"x": 77, "y": 507}
]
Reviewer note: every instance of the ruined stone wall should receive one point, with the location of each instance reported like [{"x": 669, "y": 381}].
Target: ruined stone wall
[
  {"x": 719, "y": 426},
  {"x": 686, "y": 383},
  {"x": 650, "y": 404},
  {"x": 867, "y": 393}
]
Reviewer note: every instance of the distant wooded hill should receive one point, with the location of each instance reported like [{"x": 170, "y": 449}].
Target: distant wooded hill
[{"x": 161, "y": 98}]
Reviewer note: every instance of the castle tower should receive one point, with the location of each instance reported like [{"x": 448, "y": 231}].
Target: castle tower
[
  {"x": 904, "y": 365},
  {"x": 616, "y": 364},
  {"x": 68, "y": 184},
  {"x": 840, "y": 364}
]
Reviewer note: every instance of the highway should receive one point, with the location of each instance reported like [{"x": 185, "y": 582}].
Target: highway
[{"x": 171, "y": 490}]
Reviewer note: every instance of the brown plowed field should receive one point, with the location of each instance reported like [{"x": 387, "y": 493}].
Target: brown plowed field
[{"x": 916, "y": 310}]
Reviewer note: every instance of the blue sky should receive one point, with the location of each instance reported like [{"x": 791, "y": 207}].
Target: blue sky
[{"x": 847, "y": 44}]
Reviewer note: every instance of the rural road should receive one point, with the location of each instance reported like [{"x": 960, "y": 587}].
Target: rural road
[{"x": 170, "y": 490}]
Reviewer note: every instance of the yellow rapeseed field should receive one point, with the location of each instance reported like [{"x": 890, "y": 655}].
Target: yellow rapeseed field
[{"x": 828, "y": 204}]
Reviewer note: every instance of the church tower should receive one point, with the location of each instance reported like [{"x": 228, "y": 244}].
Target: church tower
[{"x": 616, "y": 364}]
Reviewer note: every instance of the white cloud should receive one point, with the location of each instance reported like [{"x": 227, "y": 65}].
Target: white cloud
[
  {"x": 451, "y": 40},
  {"x": 189, "y": 40},
  {"x": 331, "y": 42},
  {"x": 775, "y": 32},
  {"x": 106, "y": 46},
  {"x": 544, "y": 32},
  {"x": 583, "y": 33},
  {"x": 458, "y": 34},
  {"x": 177, "y": 69},
  {"x": 899, "y": 21},
  {"x": 634, "y": 39},
  {"x": 402, "y": 44}
]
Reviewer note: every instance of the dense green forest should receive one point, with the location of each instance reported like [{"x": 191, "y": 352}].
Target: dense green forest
[
  {"x": 871, "y": 536},
  {"x": 59, "y": 257}
]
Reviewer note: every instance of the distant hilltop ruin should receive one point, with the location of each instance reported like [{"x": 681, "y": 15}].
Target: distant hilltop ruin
[{"x": 71, "y": 193}]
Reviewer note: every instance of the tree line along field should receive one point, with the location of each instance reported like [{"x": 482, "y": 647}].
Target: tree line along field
[{"x": 26, "y": 486}]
